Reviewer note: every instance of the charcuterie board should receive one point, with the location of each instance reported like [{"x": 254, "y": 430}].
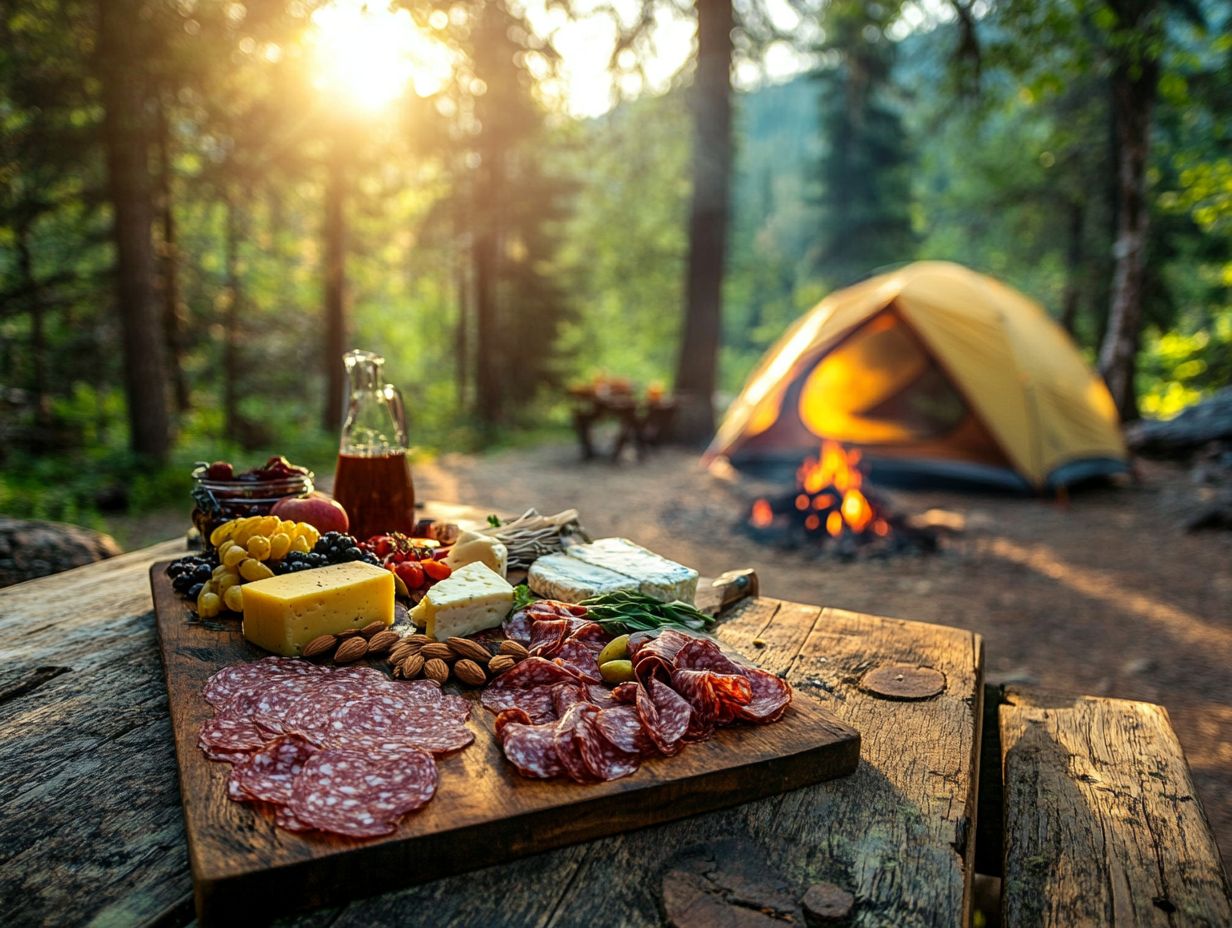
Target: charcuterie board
[{"x": 483, "y": 812}]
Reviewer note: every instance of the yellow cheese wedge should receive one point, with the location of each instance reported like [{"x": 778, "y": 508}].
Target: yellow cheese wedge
[
  {"x": 282, "y": 614},
  {"x": 472, "y": 598}
]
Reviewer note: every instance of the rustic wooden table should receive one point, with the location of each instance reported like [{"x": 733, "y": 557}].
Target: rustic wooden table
[{"x": 91, "y": 830}]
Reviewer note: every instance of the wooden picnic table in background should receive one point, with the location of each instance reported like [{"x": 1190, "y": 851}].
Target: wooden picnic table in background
[
  {"x": 641, "y": 422},
  {"x": 91, "y": 829}
]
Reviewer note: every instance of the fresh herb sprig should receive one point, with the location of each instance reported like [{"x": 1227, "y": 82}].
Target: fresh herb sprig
[
  {"x": 522, "y": 597},
  {"x": 625, "y": 611}
]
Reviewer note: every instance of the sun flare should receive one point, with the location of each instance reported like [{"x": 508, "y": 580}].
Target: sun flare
[{"x": 367, "y": 54}]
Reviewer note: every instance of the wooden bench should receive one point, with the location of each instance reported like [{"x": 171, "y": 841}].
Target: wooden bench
[{"x": 1101, "y": 822}]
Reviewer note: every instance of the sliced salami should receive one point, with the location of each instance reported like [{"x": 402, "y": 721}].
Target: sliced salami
[
  {"x": 771, "y": 697},
  {"x": 230, "y": 735},
  {"x": 518, "y": 627},
  {"x": 533, "y": 671},
  {"x": 530, "y": 748},
  {"x": 704, "y": 654},
  {"x": 622, "y": 727},
  {"x": 268, "y": 774},
  {"x": 565, "y": 740},
  {"x": 547, "y": 636},
  {"x": 579, "y": 659},
  {"x": 565, "y": 695},
  {"x": 535, "y": 701},
  {"x": 673, "y": 711},
  {"x": 603, "y": 759},
  {"x": 350, "y": 793},
  {"x": 229, "y": 681}
]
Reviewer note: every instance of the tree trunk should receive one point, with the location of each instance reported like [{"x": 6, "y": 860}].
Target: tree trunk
[
  {"x": 1134, "y": 85},
  {"x": 120, "y": 53},
  {"x": 485, "y": 238},
  {"x": 335, "y": 284},
  {"x": 1073, "y": 266},
  {"x": 697, "y": 367},
  {"x": 231, "y": 376},
  {"x": 169, "y": 266}
]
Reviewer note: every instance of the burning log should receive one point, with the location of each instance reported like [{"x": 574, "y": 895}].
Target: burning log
[{"x": 831, "y": 508}]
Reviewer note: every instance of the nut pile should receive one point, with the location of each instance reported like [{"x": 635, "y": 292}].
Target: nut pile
[
  {"x": 461, "y": 659},
  {"x": 348, "y": 646}
]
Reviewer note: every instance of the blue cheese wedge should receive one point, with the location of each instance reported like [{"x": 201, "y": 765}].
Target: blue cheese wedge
[
  {"x": 656, "y": 576},
  {"x": 472, "y": 598},
  {"x": 569, "y": 580}
]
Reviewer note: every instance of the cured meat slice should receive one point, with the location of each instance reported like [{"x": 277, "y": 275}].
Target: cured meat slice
[
  {"x": 673, "y": 711},
  {"x": 535, "y": 701},
  {"x": 579, "y": 658},
  {"x": 656, "y": 656},
  {"x": 518, "y": 626},
  {"x": 547, "y": 636},
  {"x": 590, "y": 632},
  {"x": 225, "y": 683},
  {"x": 530, "y": 748},
  {"x": 648, "y": 712},
  {"x": 271, "y": 700},
  {"x": 565, "y": 740},
  {"x": 268, "y": 775},
  {"x": 350, "y": 793},
  {"x": 704, "y": 654},
  {"x": 533, "y": 671},
  {"x": 622, "y": 727},
  {"x": 771, "y": 697},
  {"x": 229, "y": 738},
  {"x": 509, "y": 717},
  {"x": 565, "y": 695},
  {"x": 601, "y": 696},
  {"x": 623, "y": 693},
  {"x": 371, "y": 717},
  {"x": 604, "y": 760}
]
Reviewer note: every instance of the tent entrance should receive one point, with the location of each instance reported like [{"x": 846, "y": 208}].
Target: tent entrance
[{"x": 882, "y": 390}]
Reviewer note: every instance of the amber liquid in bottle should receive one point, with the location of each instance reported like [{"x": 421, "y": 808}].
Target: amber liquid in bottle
[{"x": 377, "y": 493}]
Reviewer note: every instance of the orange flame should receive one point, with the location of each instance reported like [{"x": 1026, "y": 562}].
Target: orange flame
[
  {"x": 762, "y": 515},
  {"x": 838, "y": 469}
]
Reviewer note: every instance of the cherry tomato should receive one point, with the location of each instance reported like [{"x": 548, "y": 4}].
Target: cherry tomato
[
  {"x": 411, "y": 573},
  {"x": 437, "y": 570}
]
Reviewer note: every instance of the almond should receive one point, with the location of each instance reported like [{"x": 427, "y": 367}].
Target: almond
[
  {"x": 382, "y": 642},
  {"x": 437, "y": 650},
  {"x": 500, "y": 663},
  {"x": 418, "y": 639},
  {"x": 513, "y": 649},
  {"x": 470, "y": 673},
  {"x": 472, "y": 650},
  {"x": 372, "y": 628},
  {"x": 352, "y": 649},
  {"x": 436, "y": 669},
  {"x": 405, "y": 648},
  {"x": 347, "y": 633},
  {"x": 322, "y": 644},
  {"x": 412, "y": 666}
]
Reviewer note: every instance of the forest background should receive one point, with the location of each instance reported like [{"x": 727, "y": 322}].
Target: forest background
[{"x": 204, "y": 203}]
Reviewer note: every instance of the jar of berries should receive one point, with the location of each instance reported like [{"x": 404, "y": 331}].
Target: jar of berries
[{"x": 220, "y": 494}]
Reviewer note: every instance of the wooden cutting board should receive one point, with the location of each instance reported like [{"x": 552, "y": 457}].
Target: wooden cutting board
[{"x": 483, "y": 812}]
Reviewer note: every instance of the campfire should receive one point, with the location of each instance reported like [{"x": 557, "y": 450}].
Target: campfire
[{"x": 831, "y": 508}]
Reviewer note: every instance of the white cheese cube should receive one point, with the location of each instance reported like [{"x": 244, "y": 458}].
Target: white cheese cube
[
  {"x": 570, "y": 580},
  {"x": 656, "y": 576},
  {"x": 469, "y": 600}
]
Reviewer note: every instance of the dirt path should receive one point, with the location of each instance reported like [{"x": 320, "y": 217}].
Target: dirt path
[{"x": 1106, "y": 596}]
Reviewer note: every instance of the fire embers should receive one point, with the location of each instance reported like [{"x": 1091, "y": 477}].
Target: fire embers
[{"x": 831, "y": 508}]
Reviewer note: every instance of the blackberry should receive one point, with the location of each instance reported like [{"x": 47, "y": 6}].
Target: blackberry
[{"x": 195, "y": 590}]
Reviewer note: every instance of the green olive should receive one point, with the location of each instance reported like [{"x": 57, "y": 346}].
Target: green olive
[
  {"x": 616, "y": 671},
  {"x": 615, "y": 650}
]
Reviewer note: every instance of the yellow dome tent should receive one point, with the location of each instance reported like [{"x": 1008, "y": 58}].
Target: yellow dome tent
[{"x": 936, "y": 373}]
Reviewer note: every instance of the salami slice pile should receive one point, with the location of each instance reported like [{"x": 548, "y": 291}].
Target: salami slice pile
[
  {"x": 554, "y": 718},
  {"x": 344, "y": 750}
]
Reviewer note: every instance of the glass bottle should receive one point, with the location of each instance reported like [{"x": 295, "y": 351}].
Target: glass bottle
[{"x": 373, "y": 478}]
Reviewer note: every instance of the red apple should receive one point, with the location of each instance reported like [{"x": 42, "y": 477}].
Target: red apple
[{"x": 317, "y": 509}]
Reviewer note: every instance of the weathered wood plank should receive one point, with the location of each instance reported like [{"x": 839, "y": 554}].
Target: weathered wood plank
[
  {"x": 90, "y": 826},
  {"x": 1102, "y": 824}
]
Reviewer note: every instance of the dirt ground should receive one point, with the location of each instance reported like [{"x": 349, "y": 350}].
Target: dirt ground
[{"x": 1106, "y": 595}]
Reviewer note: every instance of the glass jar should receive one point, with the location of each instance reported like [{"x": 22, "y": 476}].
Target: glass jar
[{"x": 219, "y": 501}]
